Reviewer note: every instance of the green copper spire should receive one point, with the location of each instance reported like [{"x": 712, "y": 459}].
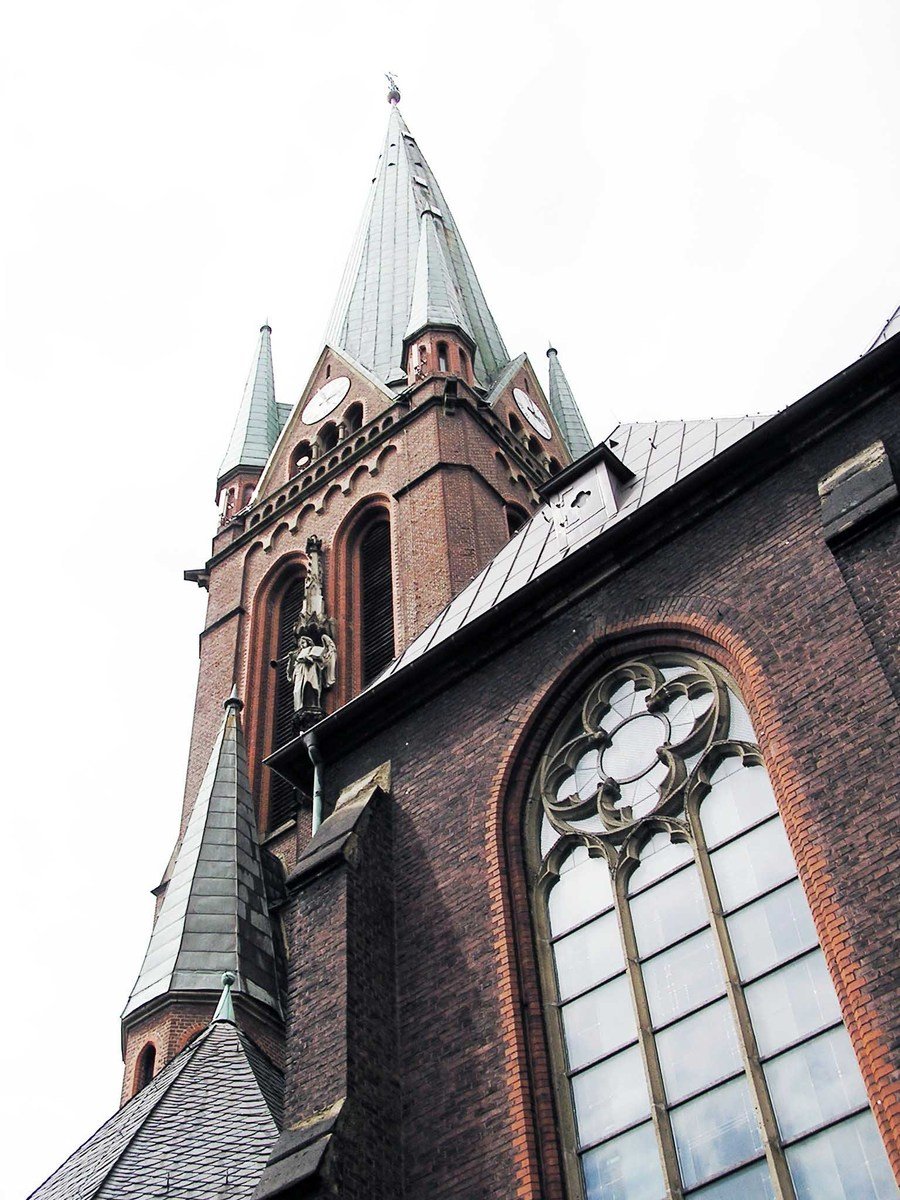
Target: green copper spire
[
  {"x": 566, "y": 411},
  {"x": 435, "y": 300},
  {"x": 215, "y": 912},
  {"x": 258, "y": 421},
  {"x": 374, "y": 307}
]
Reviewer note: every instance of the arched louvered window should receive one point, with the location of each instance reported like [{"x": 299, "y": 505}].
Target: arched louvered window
[
  {"x": 376, "y": 599},
  {"x": 282, "y": 797},
  {"x": 146, "y": 1065},
  {"x": 699, "y": 1042}
]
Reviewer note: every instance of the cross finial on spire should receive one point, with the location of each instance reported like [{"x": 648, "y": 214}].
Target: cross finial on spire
[{"x": 393, "y": 90}]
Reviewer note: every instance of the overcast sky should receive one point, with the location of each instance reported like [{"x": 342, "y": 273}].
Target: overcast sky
[{"x": 696, "y": 202}]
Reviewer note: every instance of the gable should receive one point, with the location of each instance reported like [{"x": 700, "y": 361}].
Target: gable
[{"x": 363, "y": 389}]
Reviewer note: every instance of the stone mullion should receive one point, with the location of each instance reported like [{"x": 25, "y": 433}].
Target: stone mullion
[
  {"x": 778, "y": 1168},
  {"x": 659, "y": 1111}
]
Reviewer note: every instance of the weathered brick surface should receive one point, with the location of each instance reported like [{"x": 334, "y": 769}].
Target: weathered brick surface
[
  {"x": 343, "y": 1020},
  {"x": 750, "y": 583}
]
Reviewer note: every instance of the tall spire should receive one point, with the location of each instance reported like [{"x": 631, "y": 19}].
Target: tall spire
[
  {"x": 258, "y": 421},
  {"x": 374, "y": 306},
  {"x": 566, "y": 411},
  {"x": 215, "y": 913}
]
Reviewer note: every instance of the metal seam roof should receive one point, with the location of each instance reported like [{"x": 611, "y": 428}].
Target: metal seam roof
[
  {"x": 659, "y": 453},
  {"x": 260, "y": 418},
  {"x": 565, "y": 409},
  {"x": 214, "y": 916},
  {"x": 374, "y": 302}
]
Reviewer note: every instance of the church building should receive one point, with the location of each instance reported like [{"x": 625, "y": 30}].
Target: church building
[{"x": 539, "y": 832}]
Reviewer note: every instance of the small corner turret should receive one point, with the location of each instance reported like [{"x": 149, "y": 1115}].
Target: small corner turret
[{"x": 255, "y": 433}]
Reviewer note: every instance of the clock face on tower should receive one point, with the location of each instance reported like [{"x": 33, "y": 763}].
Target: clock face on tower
[
  {"x": 532, "y": 413},
  {"x": 328, "y": 397}
]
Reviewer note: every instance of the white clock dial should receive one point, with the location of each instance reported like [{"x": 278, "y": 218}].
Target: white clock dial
[
  {"x": 532, "y": 413},
  {"x": 328, "y": 397}
]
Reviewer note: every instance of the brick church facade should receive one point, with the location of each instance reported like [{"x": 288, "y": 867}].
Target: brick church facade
[{"x": 538, "y": 831}]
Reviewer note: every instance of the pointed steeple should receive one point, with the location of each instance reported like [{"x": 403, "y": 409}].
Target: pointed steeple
[
  {"x": 215, "y": 913},
  {"x": 259, "y": 420},
  {"x": 374, "y": 307},
  {"x": 435, "y": 300},
  {"x": 566, "y": 411}
]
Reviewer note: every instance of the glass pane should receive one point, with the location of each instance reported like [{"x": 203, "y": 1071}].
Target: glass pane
[
  {"x": 741, "y": 728},
  {"x": 817, "y": 1082},
  {"x": 740, "y": 797},
  {"x": 753, "y": 864},
  {"x": 794, "y": 1001},
  {"x": 660, "y": 856},
  {"x": 610, "y": 1096},
  {"x": 627, "y": 1168},
  {"x": 776, "y": 927},
  {"x": 753, "y": 1183},
  {"x": 683, "y": 978},
  {"x": 698, "y": 1051},
  {"x": 668, "y": 911},
  {"x": 588, "y": 956},
  {"x": 846, "y": 1162},
  {"x": 599, "y": 1022},
  {"x": 583, "y": 888},
  {"x": 715, "y": 1132}
]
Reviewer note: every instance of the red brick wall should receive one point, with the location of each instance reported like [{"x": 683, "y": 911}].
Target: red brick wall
[{"x": 751, "y": 583}]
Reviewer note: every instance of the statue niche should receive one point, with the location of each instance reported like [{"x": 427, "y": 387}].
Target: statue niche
[{"x": 311, "y": 665}]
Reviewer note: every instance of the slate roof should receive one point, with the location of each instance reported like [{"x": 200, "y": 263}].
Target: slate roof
[
  {"x": 215, "y": 913},
  {"x": 260, "y": 417},
  {"x": 374, "y": 303},
  {"x": 565, "y": 410},
  {"x": 202, "y": 1129},
  {"x": 658, "y": 453}
]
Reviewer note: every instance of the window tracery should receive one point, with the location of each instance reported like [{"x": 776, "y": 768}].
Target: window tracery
[{"x": 700, "y": 1044}]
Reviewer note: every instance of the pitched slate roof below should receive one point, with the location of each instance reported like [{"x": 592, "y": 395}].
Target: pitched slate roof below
[
  {"x": 565, "y": 410},
  {"x": 659, "y": 453},
  {"x": 215, "y": 913},
  {"x": 260, "y": 418},
  {"x": 201, "y": 1129},
  {"x": 374, "y": 303}
]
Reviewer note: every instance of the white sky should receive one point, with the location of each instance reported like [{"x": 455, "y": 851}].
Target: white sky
[{"x": 697, "y": 202}]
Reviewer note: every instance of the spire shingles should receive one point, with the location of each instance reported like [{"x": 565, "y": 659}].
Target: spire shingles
[
  {"x": 259, "y": 418},
  {"x": 374, "y": 307},
  {"x": 566, "y": 411},
  {"x": 214, "y": 915}
]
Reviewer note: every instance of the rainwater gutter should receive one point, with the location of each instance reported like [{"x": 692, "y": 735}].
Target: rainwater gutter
[{"x": 311, "y": 742}]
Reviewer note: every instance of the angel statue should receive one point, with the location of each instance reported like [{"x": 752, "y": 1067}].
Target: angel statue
[{"x": 311, "y": 668}]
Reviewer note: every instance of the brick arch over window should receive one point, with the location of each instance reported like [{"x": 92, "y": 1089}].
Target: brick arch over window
[
  {"x": 275, "y": 608},
  {"x": 650, "y": 827},
  {"x": 366, "y": 615},
  {"x": 144, "y": 1068}
]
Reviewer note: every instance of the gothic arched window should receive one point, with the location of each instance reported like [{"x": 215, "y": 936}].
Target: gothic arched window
[
  {"x": 376, "y": 592},
  {"x": 699, "y": 1041}
]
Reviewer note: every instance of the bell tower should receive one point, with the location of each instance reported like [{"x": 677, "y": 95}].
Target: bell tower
[{"x": 347, "y": 521}]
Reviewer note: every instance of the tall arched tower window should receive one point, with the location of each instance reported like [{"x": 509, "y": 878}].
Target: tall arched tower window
[
  {"x": 698, "y": 1039},
  {"x": 376, "y": 593},
  {"x": 282, "y": 796}
]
